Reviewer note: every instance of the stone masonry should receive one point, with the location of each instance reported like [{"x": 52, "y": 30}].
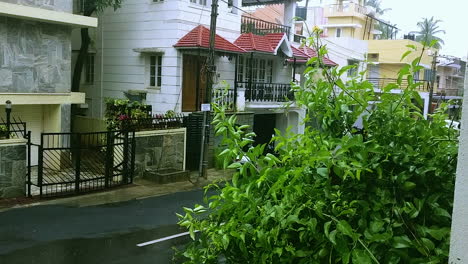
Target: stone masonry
[
  {"x": 55, "y": 5},
  {"x": 35, "y": 57},
  {"x": 243, "y": 118},
  {"x": 159, "y": 151},
  {"x": 12, "y": 170}
]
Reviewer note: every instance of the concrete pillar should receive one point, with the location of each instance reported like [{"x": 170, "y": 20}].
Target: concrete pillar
[
  {"x": 459, "y": 234},
  {"x": 289, "y": 14},
  {"x": 240, "y": 104}
]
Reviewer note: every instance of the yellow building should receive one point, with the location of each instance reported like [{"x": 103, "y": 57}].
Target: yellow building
[
  {"x": 350, "y": 19},
  {"x": 385, "y": 56}
]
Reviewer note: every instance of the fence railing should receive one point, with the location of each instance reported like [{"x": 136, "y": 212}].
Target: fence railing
[
  {"x": 15, "y": 129},
  {"x": 262, "y": 27},
  {"x": 347, "y": 7},
  {"x": 267, "y": 92},
  {"x": 154, "y": 122},
  {"x": 380, "y": 83},
  {"x": 225, "y": 98}
]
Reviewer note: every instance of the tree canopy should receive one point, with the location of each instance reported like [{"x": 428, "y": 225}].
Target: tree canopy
[{"x": 428, "y": 30}]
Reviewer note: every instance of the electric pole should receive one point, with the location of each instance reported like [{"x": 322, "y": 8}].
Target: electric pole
[
  {"x": 206, "y": 107},
  {"x": 434, "y": 76}
]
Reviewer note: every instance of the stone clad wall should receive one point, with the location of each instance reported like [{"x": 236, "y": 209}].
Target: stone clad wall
[
  {"x": 12, "y": 170},
  {"x": 159, "y": 149},
  {"x": 56, "y": 5},
  {"x": 35, "y": 57}
]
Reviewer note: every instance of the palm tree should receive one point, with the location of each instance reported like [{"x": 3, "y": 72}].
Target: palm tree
[
  {"x": 376, "y": 4},
  {"x": 428, "y": 29}
]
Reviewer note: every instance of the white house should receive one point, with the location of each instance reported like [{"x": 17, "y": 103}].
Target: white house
[{"x": 156, "y": 51}]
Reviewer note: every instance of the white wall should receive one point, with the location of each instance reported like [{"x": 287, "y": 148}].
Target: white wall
[
  {"x": 459, "y": 233},
  {"x": 142, "y": 24}
]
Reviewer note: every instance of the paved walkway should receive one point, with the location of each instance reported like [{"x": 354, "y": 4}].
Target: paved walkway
[{"x": 139, "y": 190}]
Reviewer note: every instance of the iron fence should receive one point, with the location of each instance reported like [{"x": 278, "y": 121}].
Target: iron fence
[
  {"x": 72, "y": 163},
  {"x": 267, "y": 92},
  {"x": 15, "y": 129},
  {"x": 153, "y": 122}
]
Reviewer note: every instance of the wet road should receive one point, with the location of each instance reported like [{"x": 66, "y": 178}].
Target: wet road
[{"x": 96, "y": 234}]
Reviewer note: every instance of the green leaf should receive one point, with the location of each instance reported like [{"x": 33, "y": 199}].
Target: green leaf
[
  {"x": 407, "y": 186},
  {"x": 405, "y": 54},
  {"x": 401, "y": 242},
  {"x": 344, "y": 227},
  {"x": 322, "y": 172},
  {"x": 360, "y": 257}
]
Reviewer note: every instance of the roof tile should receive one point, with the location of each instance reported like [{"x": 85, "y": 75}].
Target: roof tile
[{"x": 199, "y": 37}]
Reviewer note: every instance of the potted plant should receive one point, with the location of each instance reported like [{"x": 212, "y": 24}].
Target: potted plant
[{"x": 3, "y": 132}]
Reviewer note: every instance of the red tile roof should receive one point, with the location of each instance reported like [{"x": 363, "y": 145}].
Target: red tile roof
[
  {"x": 309, "y": 52},
  {"x": 299, "y": 54},
  {"x": 252, "y": 42},
  {"x": 199, "y": 37}
]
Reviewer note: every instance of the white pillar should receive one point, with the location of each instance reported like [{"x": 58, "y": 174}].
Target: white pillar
[
  {"x": 240, "y": 104},
  {"x": 459, "y": 234},
  {"x": 289, "y": 14}
]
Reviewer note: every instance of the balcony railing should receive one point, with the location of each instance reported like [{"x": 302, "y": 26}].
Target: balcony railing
[
  {"x": 262, "y": 27},
  {"x": 347, "y": 8},
  {"x": 267, "y": 92},
  {"x": 225, "y": 98},
  {"x": 380, "y": 83}
]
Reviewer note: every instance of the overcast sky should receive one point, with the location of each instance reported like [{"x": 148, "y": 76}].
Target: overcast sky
[{"x": 453, "y": 13}]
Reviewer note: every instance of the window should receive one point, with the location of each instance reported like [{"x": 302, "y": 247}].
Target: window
[
  {"x": 89, "y": 69},
  {"x": 200, "y": 2},
  {"x": 240, "y": 69},
  {"x": 338, "y": 32},
  {"x": 269, "y": 71},
  {"x": 155, "y": 70},
  {"x": 262, "y": 70},
  {"x": 353, "y": 71}
]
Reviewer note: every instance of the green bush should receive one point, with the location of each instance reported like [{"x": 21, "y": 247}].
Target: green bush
[{"x": 335, "y": 194}]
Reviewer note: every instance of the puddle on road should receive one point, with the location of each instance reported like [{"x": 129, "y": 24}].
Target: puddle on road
[{"x": 115, "y": 249}]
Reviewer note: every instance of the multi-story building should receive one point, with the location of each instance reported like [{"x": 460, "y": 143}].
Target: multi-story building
[
  {"x": 35, "y": 63},
  {"x": 450, "y": 75},
  {"x": 355, "y": 35},
  {"x": 156, "y": 51}
]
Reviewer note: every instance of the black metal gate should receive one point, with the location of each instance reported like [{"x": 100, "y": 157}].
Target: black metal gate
[
  {"x": 73, "y": 163},
  {"x": 194, "y": 125}
]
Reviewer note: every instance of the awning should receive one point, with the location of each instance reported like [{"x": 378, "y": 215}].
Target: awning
[
  {"x": 148, "y": 50},
  {"x": 199, "y": 38}
]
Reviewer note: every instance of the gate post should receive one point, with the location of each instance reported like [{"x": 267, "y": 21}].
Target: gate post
[
  {"x": 40, "y": 165},
  {"x": 109, "y": 159},
  {"x": 77, "y": 151},
  {"x": 125, "y": 159},
  {"x": 132, "y": 166}
]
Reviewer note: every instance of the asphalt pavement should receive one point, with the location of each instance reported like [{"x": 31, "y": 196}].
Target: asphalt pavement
[{"x": 57, "y": 234}]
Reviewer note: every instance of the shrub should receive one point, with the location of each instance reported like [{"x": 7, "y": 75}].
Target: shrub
[{"x": 336, "y": 194}]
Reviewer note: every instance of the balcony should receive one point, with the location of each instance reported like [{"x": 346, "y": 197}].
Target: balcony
[
  {"x": 380, "y": 83},
  {"x": 346, "y": 9},
  {"x": 262, "y": 27},
  {"x": 267, "y": 92}
]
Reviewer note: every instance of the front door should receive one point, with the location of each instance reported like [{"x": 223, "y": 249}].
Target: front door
[{"x": 193, "y": 82}]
